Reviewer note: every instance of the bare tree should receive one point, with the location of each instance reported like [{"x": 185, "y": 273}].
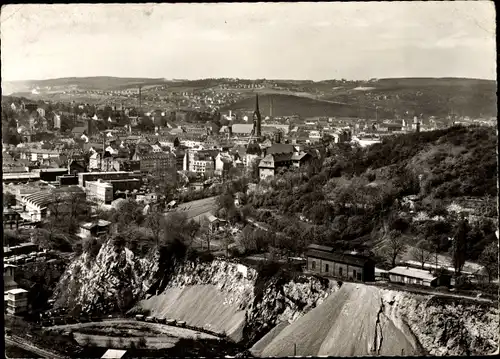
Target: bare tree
[
  {"x": 395, "y": 244},
  {"x": 434, "y": 248},
  {"x": 489, "y": 259},
  {"x": 207, "y": 232},
  {"x": 155, "y": 221},
  {"x": 459, "y": 247},
  {"x": 421, "y": 253},
  {"x": 55, "y": 213},
  {"x": 247, "y": 240},
  {"x": 227, "y": 239}
]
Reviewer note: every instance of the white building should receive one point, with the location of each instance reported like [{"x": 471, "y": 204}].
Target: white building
[
  {"x": 17, "y": 301},
  {"x": 41, "y": 112},
  {"x": 57, "y": 121},
  {"x": 192, "y": 143},
  {"x": 99, "y": 191}
]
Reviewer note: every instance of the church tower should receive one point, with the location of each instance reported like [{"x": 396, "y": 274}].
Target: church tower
[{"x": 256, "y": 118}]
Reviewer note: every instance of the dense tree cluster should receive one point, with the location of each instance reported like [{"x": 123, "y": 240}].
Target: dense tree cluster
[{"x": 346, "y": 201}]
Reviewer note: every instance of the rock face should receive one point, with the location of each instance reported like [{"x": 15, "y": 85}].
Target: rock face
[
  {"x": 220, "y": 295},
  {"x": 448, "y": 326},
  {"x": 109, "y": 282},
  {"x": 350, "y": 322},
  {"x": 363, "y": 320},
  {"x": 285, "y": 302},
  {"x": 249, "y": 307}
]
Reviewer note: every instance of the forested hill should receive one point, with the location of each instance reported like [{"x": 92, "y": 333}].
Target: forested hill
[
  {"x": 352, "y": 197},
  {"x": 428, "y": 96},
  {"x": 454, "y": 162}
]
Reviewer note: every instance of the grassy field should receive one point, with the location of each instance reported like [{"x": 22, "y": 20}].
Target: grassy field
[{"x": 196, "y": 209}]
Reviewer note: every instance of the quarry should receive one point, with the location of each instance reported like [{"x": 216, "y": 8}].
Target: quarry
[{"x": 261, "y": 311}]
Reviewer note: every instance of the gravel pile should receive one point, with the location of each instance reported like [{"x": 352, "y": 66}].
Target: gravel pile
[
  {"x": 201, "y": 306},
  {"x": 345, "y": 324}
]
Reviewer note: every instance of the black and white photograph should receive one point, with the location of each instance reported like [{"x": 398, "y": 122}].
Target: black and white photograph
[{"x": 239, "y": 180}]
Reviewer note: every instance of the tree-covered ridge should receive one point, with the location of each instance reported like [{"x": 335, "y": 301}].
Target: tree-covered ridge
[{"x": 355, "y": 197}]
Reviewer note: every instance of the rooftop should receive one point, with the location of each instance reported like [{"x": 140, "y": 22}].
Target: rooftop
[
  {"x": 338, "y": 257},
  {"x": 412, "y": 273},
  {"x": 17, "y": 291},
  {"x": 320, "y": 247},
  {"x": 280, "y": 148},
  {"x": 45, "y": 197},
  {"x": 114, "y": 354},
  {"x": 242, "y": 128}
]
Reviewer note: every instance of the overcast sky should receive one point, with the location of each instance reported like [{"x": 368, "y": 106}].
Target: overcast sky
[{"x": 261, "y": 40}]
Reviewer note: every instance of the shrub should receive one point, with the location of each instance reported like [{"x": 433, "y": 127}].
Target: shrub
[
  {"x": 205, "y": 257},
  {"x": 235, "y": 252},
  {"x": 92, "y": 246},
  {"x": 442, "y": 289},
  {"x": 142, "y": 343}
]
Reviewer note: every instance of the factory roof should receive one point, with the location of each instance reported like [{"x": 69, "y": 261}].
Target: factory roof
[{"x": 242, "y": 128}]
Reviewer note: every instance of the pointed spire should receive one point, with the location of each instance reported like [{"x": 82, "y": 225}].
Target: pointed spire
[{"x": 256, "y": 117}]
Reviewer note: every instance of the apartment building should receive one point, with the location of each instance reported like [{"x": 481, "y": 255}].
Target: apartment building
[
  {"x": 161, "y": 165},
  {"x": 17, "y": 301}
]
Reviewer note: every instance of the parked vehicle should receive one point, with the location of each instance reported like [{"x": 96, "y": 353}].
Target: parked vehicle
[
  {"x": 150, "y": 319},
  {"x": 181, "y": 323},
  {"x": 139, "y": 317}
]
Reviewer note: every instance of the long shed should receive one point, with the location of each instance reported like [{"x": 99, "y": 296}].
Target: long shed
[{"x": 324, "y": 261}]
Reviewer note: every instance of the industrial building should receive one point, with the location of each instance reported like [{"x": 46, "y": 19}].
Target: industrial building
[
  {"x": 325, "y": 261},
  {"x": 105, "y": 176},
  {"x": 408, "y": 275}
]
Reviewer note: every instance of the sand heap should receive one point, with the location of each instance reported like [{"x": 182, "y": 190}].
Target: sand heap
[
  {"x": 220, "y": 296},
  {"x": 350, "y": 322},
  {"x": 201, "y": 306},
  {"x": 212, "y": 295}
]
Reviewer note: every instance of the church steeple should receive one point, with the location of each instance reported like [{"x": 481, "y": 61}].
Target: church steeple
[{"x": 257, "y": 118}]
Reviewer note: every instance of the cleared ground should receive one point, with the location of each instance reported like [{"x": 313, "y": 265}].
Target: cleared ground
[
  {"x": 345, "y": 324},
  {"x": 195, "y": 209}
]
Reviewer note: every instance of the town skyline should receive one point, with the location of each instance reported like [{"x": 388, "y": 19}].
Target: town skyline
[{"x": 248, "y": 41}]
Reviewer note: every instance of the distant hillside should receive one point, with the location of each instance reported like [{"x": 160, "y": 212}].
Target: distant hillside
[
  {"x": 427, "y": 96},
  {"x": 284, "y": 105},
  {"x": 430, "y": 81},
  {"x": 86, "y": 83}
]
